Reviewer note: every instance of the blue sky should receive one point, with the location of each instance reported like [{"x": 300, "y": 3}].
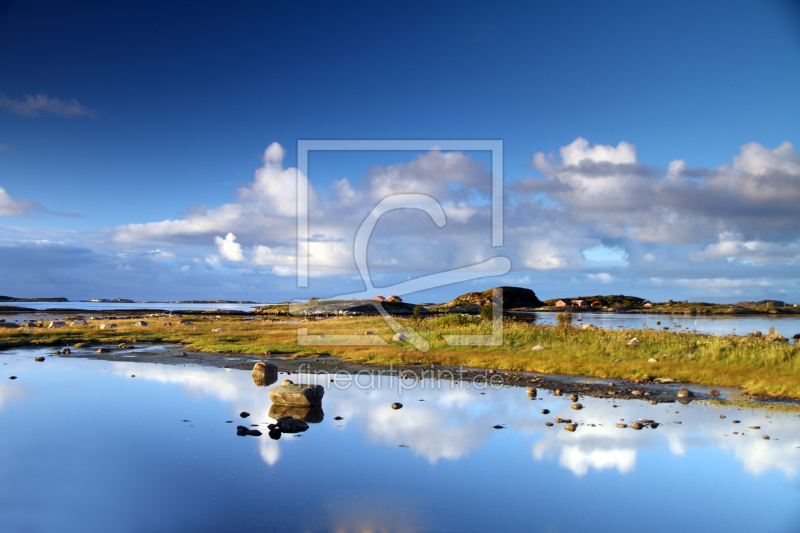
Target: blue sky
[{"x": 118, "y": 117}]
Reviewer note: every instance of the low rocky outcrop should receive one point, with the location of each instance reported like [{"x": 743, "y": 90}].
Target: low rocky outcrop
[
  {"x": 57, "y": 324},
  {"x": 297, "y": 394},
  {"x": 774, "y": 335},
  {"x": 510, "y": 297}
]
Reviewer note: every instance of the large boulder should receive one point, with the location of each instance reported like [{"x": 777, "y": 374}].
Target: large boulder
[
  {"x": 265, "y": 374},
  {"x": 57, "y": 324},
  {"x": 774, "y": 335},
  {"x": 297, "y": 394}
]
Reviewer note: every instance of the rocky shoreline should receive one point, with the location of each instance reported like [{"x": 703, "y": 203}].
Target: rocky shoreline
[{"x": 655, "y": 392}]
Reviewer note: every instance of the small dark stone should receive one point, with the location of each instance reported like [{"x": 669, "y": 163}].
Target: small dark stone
[
  {"x": 736, "y": 421},
  {"x": 498, "y": 427},
  {"x": 275, "y": 434},
  {"x": 242, "y": 431},
  {"x": 722, "y": 416},
  {"x": 13, "y": 377},
  {"x": 548, "y": 423},
  {"x": 397, "y": 405},
  {"x": 577, "y": 406},
  {"x": 272, "y": 426},
  {"x": 254, "y": 433},
  {"x": 570, "y": 427},
  {"x": 545, "y": 411},
  {"x": 574, "y": 397},
  {"x": 39, "y": 359},
  {"x": 244, "y": 414},
  {"x": 636, "y": 425},
  {"x": 765, "y": 437},
  {"x": 338, "y": 418},
  {"x": 654, "y": 425},
  {"x": 714, "y": 392}
]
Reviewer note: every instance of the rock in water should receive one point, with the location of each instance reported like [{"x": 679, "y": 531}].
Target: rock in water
[
  {"x": 637, "y": 425},
  {"x": 397, "y": 405},
  {"x": 570, "y": 427},
  {"x": 577, "y": 406},
  {"x": 297, "y": 394},
  {"x": 545, "y": 411},
  {"x": 275, "y": 434},
  {"x": 685, "y": 393},
  {"x": 290, "y": 424},
  {"x": 39, "y": 359},
  {"x": 264, "y": 374},
  {"x": 531, "y": 392},
  {"x": 244, "y": 414}
]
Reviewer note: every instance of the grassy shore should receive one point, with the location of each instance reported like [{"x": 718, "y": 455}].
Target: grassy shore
[{"x": 758, "y": 366}]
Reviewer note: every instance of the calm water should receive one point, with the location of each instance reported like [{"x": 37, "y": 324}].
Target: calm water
[{"x": 86, "y": 447}]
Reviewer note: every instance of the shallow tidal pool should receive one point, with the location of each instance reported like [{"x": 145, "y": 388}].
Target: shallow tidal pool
[{"x": 86, "y": 447}]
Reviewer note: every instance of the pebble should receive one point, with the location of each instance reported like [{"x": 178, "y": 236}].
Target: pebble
[
  {"x": 636, "y": 425},
  {"x": 13, "y": 377},
  {"x": 570, "y": 427},
  {"x": 577, "y": 406},
  {"x": 765, "y": 437},
  {"x": 574, "y": 397},
  {"x": 548, "y": 423},
  {"x": 244, "y": 414},
  {"x": 498, "y": 427},
  {"x": 713, "y": 392},
  {"x": 722, "y": 416},
  {"x": 39, "y": 359},
  {"x": 397, "y": 405},
  {"x": 622, "y": 425},
  {"x": 338, "y": 418},
  {"x": 558, "y": 392},
  {"x": 736, "y": 421},
  {"x": 531, "y": 393},
  {"x": 545, "y": 411},
  {"x": 288, "y": 382}
]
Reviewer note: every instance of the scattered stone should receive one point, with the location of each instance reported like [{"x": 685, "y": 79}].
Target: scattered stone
[
  {"x": 560, "y": 420},
  {"x": 57, "y": 324},
  {"x": 244, "y": 414},
  {"x": 653, "y": 402},
  {"x": 39, "y": 359},
  {"x": 498, "y": 427},
  {"x": 652, "y": 360},
  {"x": 398, "y": 337},
  {"x": 558, "y": 392},
  {"x": 290, "y": 424},
  {"x": 773, "y": 335},
  {"x": 186, "y": 323},
  {"x": 574, "y": 397},
  {"x": 545, "y": 411},
  {"x": 275, "y": 433},
  {"x": 714, "y": 392},
  {"x": 297, "y": 394},
  {"x": 13, "y": 377},
  {"x": 654, "y": 425},
  {"x": 685, "y": 393},
  {"x": 167, "y": 324},
  {"x": 754, "y": 427},
  {"x": 531, "y": 392},
  {"x": 722, "y": 416},
  {"x": 104, "y": 350},
  {"x": 736, "y": 421},
  {"x": 636, "y": 392},
  {"x": 338, "y": 418},
  {"x": 549, "y": 424},
  {"x": 79, "y": 322},
  {"x": 254, "y": 433},
  {"x": 397, "y": 405},
  {"x": 617, "y": 361},
  {"x": 107, "y": 326},
  {"x": 140, "y": 323},
  {"x": 588, "y": 326},
  {"x": 133, "y": 375},
  {"x": 636, "y": 425},
  {"x": 622, "y": 425},
  {"x": 753, "y": 334},
  {"x": 570, "y": 427},
  {"x": 633, "y": 342},
  {"x": 577, "y": 406},
  {"x": 765, "y": 437},
  {"x": 67, "y": 351},
  {"x": 537, "y": 348},
  {"x": 216, "y": 330}
]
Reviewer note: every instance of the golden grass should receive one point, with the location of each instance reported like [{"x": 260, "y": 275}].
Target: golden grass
[{"x": 759, "y": 366}]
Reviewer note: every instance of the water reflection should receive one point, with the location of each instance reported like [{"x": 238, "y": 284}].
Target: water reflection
[{"x": 379, "y": 468}]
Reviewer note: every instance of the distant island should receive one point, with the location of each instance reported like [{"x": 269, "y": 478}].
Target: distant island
[{"x": 12, "y": 299}]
